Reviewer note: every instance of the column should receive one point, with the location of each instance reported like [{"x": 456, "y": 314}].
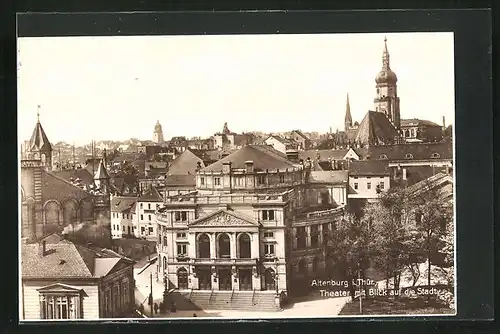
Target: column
[
  {"x": 255, "y": 245},
  {"x": 212, "y": 245},
  {"x": 308, "y": 236},
  {"x": 233, "y": 240},
  {"x": 192, "y": 245}
]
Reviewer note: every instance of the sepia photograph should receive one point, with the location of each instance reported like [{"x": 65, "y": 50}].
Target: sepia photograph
[{"x": 236, "y": 176}]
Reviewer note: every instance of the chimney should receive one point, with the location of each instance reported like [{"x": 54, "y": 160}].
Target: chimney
[
  {"x": 249, "y": 166},
  {"x": 226, "y": 167},
  {"x": 404, "y": 173},
  {"x": 42, "y": 248},
  {"x": 444, "y": 124}
]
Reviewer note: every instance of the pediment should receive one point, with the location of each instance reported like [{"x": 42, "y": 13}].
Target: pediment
[
  {"x": 224, "y": 218},
  {"x": 60, "y": 288}
]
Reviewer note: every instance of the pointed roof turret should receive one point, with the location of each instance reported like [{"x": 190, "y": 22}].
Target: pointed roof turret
[
  {"x": 348, "y": 117},
  {"x": 101, "y": 173},
  {"x": 225, "y": 130},
  {"x": 39, "y": 140},
  {"x": 158, "y": 127}
]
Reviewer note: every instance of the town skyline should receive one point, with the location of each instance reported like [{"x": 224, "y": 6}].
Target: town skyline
[{"x": 311, "y": 99}]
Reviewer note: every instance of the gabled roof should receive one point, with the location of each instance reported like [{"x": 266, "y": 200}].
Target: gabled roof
[
  {"x": 122, "y": 204},
  {"x": 417, "y": 122},
  {"x": 225, "y": 218},
  {"x": 375, "y": 129},
  {"x": 186, "y": 163},
  {"x": 369, "y": 168},
  {"x": 151, "y": 195},
  {"x": 330, "y": 177},
  {"x": 39, "y": 140},
  {"x": 263, "y": 158},
  {"x": 282, "y": 140},
  {"x": 301, "y": 134},
  {"x": 68, "y": 260}
]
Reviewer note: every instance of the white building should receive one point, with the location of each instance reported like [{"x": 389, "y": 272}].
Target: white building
[
  {"x": 122, "y": 216},
  {"x": 368, "y": 178},
  {"x": 145, "y": 218}
]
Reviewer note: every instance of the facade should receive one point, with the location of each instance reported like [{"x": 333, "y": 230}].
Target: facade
[
  {"x": 244, "y": 228},
  {"x": 50, "y": 203},
  {"x": 158, "y": 134},
  {"x": 281, "y": 144},
  {"x": 68, "y": 281},
  {"x": 417, "y": 130},
  {"x": 145, "y": 218},
  {"x": 303, "y": 142},
  {"x": 368, "y": 178},
  {"x": 122, "y": 217}
]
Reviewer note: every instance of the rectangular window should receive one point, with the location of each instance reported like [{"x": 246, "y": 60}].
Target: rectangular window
[
  {"x": 269, "y": 249},
  {"x": 217, "y": 181},
  {"x": 282, "y": 178},
  {"x": 59, "y": 307},
  {"x": 181, "y": 235},
  {"x": 149, "y": 217},
  {"x": 314, "y": 236},
  {"x": 368, "y": 185},
  {"x": 142, "y": 229},
  {"x": 202, "y": 181},
  {"x": 123, "y": 216},
  {"x": 165, "y": 241},
  {"x": 382, "y": 185},
  {"x": 149, "y": 206},
  {"x": 268, "y": 215},
  {"x": 150, "y": 230},
  {"x": 268, "y": 234},
  {"x": 301, "y": 237},
  {"x": 141, "y": 205},
  {"x": 123, "y": 228},
  {"x": 355, "y": 186},
  {"x": 181, "y": 249},
  {"x": 238, "y": 181},
  {"x": 261, "y": 179},
  {"x": 142, "y": 217}
]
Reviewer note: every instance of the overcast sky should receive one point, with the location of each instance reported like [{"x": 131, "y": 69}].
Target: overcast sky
[{"x": 118, "y": 87}]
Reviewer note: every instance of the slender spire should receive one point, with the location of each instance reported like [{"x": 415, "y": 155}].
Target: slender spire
[
  {"x": 348, "y": 117},
  {"x": 38, "y": 113},
  {"x": 385, "y": 56}
]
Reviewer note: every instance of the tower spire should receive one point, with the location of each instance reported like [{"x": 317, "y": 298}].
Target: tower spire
[
  {"x": 385, "y": 56},
  {"x": 348, "y": 117},
  {"x": 38, "y": 113}
]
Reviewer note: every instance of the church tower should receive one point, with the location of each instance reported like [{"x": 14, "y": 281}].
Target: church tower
[
  {"x": 39, "y": 146},
  {"x": 387, "y": 100},
  {"x": 348, "y": 117},
  {"x": 158, "y": 134}
]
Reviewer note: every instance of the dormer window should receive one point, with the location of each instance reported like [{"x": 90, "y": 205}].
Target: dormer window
[
  {"x": 435, "y": 155},
  {"x": 383, "y": 157},
  {"x": 409, "y": 156}
]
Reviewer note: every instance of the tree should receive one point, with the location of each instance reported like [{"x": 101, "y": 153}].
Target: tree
[
  {"x": 389, "y": 219},
  {"x": 348, "y": 247}
]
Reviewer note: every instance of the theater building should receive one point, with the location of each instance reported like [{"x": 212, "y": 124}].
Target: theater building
[{"x": 248, "y": 231}]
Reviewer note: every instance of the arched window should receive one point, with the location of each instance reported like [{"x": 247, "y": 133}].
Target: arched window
[
  {"x": 51, "y": 211},
  {"x": 269, "y": 279},
  {"x": 43, "y": 157},
  {"x": 224, "y": 244},
  {"x": 409, "y": 156},
  {"x": 204, "y": 246},
  {"x": 244, "y": 246},
  {"x": 383, "y": 157},
  {"x": 182, "y": 279}
]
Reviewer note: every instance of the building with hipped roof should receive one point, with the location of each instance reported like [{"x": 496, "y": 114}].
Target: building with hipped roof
[
  {"x": 63, "y": 280},
  {"x": 251, "y": 227}
]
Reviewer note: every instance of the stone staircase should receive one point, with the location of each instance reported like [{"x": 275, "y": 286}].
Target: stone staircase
[{"x": 225, "y": 300}]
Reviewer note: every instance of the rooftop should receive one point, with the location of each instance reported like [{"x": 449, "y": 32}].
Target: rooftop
[
  {"x": 375, "y": 129},
  {"x": 262, "y": 156},
  {"x": 68, "y": 260},
  {"x": 369, "y": 168}
]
